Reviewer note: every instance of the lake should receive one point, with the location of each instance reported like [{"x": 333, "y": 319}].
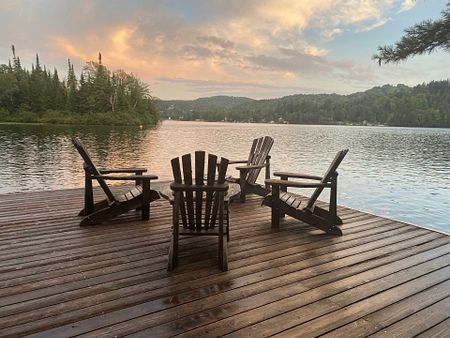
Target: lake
[{"x": 400, "y": 173}]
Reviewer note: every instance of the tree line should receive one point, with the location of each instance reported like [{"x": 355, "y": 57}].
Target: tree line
[
  {"x": 97, "y": 96},
  {"x": 425, "y": 105}
]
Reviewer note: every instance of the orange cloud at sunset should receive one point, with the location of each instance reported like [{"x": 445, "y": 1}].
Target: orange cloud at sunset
[{"x": 204, "y": 48}]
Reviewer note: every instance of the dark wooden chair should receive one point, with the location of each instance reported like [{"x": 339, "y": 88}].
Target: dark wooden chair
[
  {"x": 248, "y": 174},
  {"x": 137, "y": 198},
  {"x": 199, "y": 206},
  {"x": 302, "y": 208}
]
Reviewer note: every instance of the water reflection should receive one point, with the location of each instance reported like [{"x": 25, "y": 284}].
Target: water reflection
[{"x": 403, "y": 173}]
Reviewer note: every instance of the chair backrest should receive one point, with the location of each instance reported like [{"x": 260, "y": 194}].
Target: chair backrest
[
  {"x": 326, "y": 177},
  {"x": 91, "y": 168},
  {"x": 258, "y": 154},
  {"x": 200, "y": 200}
]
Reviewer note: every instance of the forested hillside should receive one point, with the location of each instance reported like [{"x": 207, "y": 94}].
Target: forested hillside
[
  {"x": 425, "y": 105},
  {"x": 202, "y": 108},
  {"x": 98, "y": 96}
]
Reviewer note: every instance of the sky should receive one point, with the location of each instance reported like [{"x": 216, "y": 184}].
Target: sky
[{"x": 185, "y": 49}]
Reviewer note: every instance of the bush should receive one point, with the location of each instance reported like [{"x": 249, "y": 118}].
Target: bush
[
  {"x": 64, "y": 117},
  {"x": 25, "y": 117}
]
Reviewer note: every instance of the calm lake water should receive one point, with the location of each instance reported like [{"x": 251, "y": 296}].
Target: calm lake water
[{"x": 400, "y": 173}]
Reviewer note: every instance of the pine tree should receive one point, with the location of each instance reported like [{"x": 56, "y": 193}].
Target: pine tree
[
  {"x": 37, "y": 87},
  {"x": 422, "y": 38},
  {"x": 98, "y": 91},
  {"x": 72, "y": 99}
]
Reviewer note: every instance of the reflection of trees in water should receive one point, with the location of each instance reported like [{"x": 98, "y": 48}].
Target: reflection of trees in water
[
  {"x": 36, "y": 157},
  {"x": 115, "y": 146}
]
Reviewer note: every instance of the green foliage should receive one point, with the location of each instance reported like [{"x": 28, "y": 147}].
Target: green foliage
[
  {"x": 419, "y": 39},
  {"x": 426, "y": 105},
  {"x": 207, "y": 108},
  {"x": 98, "y": 97},
  {"x": 63, "y": 117}
]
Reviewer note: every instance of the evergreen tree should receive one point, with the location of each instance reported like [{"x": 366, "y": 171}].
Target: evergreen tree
[
  {"x": 37, "y": 87},
  {"x": 33, "y": 94},
  {"x": 71, "y": 88},
  {"x": 421, "y": 38}
]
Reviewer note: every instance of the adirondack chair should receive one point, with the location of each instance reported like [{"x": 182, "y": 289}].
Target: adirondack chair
[
  {"x": 248, "y": 174},
  {"x": 137, "y": 198},
  {"x": 199, "y": 207},
  {"x": 302, "y": 208}
]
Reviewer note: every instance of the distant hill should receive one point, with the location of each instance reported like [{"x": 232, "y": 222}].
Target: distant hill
[
  {"x": 180, "y": 108},
  {"x": 425, "y": 105}
]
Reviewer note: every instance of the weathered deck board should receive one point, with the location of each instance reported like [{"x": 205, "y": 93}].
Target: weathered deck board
[{"x": 56, "y": 279}]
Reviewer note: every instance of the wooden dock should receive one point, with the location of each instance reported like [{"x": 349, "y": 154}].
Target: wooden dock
[{"x": 382, "y": 278}]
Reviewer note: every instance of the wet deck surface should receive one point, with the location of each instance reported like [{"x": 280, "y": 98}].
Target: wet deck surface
[{"x": 381, "y": 278}]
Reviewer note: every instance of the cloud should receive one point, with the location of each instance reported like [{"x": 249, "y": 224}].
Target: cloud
[
  {"x": 274, "y": 43},
  {"x": 374, "y": 25},
  {"x": 236, "y": 88},
  {"x": 315, "y": 51},
  {"x": 215, "y": 41},
  {"x": 330, "y": 34},
  {"x": 407, "y": 5}
]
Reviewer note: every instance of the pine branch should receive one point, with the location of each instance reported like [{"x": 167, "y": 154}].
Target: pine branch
[{"x": 422, "y": 38}]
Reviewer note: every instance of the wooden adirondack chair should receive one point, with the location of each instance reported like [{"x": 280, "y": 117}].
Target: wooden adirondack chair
[
  {"x": 302, "y": 208},
  {"x": 199, "y": 207},
  {"x": 248, "y": 174},
  {"x": 137, "y": 198}
]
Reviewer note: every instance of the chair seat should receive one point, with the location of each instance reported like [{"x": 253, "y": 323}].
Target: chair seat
[
  {"x": 293, "y": 200},
  {"x": 133, "y": 193}
]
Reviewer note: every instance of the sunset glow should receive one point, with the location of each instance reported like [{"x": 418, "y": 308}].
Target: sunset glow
[{"x": 259, "y": 49}]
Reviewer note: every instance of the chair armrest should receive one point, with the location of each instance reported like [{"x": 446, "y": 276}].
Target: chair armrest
[
  {"x": 286, "y": 183},
  {"x": 126, "y": 178},
  {"x": 252, "y": 166},
  {"x": 239, "y": 161},
  {"x": 122, "y": 170},
  {"x": 187, "y": 187},
  {"x": 297, "y": 175}
]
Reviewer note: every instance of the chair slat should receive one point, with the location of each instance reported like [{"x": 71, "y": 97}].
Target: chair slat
[
  {"x": 187, "y": 175},
  {"x": 222, "y": 170},
  {"x": 94, "y": 171},
  {"x": 176, "y": 170},
  {"x": 262, "y": 149},
  {"x": 216, "y": 199},
  {"x": 326, "y": 177},
  {"x": 199, "y": 179},
  {"x": 212, "y": 165},
  {"x": 252, "y": 151}
]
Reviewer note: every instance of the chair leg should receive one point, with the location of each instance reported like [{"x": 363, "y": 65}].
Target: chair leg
[
  {"x": 173, "y": 253},
  {"x": 224, "y": 259},
  {"x": 223, "y": 253},
  {"x": 146, "y": 200},
  {"x": 242, "y": 175},
  {"x": 228, "y": 223},
  {"x": 275, "y": 206},
  {"x": 89, "y": 207}
]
